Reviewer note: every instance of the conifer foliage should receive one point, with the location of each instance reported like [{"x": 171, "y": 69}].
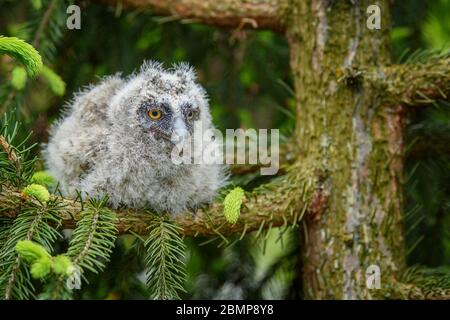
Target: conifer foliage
[{"x": 165, "y": 259}]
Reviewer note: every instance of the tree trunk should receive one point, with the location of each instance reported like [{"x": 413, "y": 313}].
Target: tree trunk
[{"x": 354, "y": 141}]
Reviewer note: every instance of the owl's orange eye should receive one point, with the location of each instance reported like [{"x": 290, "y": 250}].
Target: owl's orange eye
[{"x": 154, "y": 114}]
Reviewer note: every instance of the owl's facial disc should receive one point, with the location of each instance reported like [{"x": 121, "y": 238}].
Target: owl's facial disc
[{"x": 170, "y": 124}]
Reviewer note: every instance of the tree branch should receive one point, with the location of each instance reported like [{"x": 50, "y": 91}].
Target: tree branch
[
  {"x": 414, "y": 84},
  {"x": 261, "y": 14},
  {"x": 281, "y": 203},
  {"x": 10, "y": 153},
  {"x": 418, "y": 283},
  {"x": 412, "y": 291},
  {"x": 287, "y": 155}
]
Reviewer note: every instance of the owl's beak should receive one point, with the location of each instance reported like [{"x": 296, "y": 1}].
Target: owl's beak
[{"x": 179, "y": 131}]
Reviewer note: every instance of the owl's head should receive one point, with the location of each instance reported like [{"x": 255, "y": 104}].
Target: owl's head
[{"x": 163, "y": 105}]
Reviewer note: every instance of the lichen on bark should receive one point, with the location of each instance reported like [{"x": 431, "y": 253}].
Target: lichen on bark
[{"x": 344, "y": 131}]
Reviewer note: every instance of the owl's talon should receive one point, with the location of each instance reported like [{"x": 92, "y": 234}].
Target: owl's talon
[{"x": 194, "y": 210}]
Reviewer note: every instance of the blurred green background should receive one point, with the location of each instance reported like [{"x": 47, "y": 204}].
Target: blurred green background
[{"x": 247, "y": 76}]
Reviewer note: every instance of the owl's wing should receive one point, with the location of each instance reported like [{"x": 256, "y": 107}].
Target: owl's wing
[
  {"x": 91, "y": 104},
  {"x": 78, "y": 139}
]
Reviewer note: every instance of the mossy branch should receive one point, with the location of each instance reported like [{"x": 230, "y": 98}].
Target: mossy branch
[
  {"x": 287, "y": 155},
  {"x": 280, "y": 203},
  {"x": 414, "y": 83},
  {"x": 261, "y": 14},
  {"x": 419, "y": 283}
]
